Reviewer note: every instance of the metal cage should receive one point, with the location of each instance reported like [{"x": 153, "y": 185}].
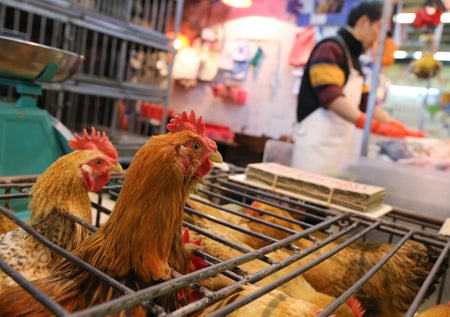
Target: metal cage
[
  {"x": 127, "y": 49},
  {"x": 229, "y": 198}
]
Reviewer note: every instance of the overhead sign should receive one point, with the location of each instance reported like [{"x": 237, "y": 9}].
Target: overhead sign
[{"x": 319, "y": 12}]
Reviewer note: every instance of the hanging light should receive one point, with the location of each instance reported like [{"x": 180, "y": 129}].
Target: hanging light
[
  {"x": 238, "y": 3},
  {"x": 179, "y": 40}
]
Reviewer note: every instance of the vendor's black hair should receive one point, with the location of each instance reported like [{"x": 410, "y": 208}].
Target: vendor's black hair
[{"x": 372, "y": 8}]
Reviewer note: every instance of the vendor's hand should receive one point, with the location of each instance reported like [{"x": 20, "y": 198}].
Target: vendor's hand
[
  {"x": 390, "y": 129},
  {"x": 408, "y": 132},
  {"x": 415, "y": 133}
]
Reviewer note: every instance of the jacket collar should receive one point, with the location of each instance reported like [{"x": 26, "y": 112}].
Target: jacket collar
[{"x": 353, "y": 44}]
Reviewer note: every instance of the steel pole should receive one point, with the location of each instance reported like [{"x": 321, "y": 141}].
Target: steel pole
[{"x": 387, "y": 9}]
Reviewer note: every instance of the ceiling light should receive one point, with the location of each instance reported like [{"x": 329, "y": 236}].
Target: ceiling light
[
  {"x": 404, "y": 18},
  {"x": 238, "y": 3},
  {"x": 400, "y": 54},
  {"x": 442, "y": 56},
  {"x": 439, "y": 56},
  {"x": 445, "y": 17},
  {"x": 417, "y": 55}
]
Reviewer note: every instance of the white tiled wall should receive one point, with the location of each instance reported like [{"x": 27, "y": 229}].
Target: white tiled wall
[{"x": 271, "y": 105}]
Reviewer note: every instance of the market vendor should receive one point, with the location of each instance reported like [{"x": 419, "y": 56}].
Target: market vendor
[{"x": 333, "y": 95}]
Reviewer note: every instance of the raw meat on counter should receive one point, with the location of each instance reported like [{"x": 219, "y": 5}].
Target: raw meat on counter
[{"x": 422, "y": 152}]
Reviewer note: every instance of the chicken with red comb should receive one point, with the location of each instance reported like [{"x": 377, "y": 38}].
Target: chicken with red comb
[
  {"x": 96, "y": 176},
  {"x": 403, "y": 274},
  {"x": 95, "y": 141},
  {"x": 144, "y": 228},
  {"x": 61, "y": 190}
]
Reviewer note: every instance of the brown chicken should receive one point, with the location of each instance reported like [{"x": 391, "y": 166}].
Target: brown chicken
[
  {"x": 61, "y": 190},
  {"x": 442, "y": 310},
  {"x": 403, "y": 274},
  {"x": 274, "y": 303},
  {"x": 6, "y": 225},
  {"x": 134, "y": 244},
  {"x": 297, "y": 288}
]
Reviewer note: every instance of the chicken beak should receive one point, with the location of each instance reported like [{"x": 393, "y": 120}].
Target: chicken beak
[
  {"x": 216, "y": 157},
  {"x": 117, "y": 168}
]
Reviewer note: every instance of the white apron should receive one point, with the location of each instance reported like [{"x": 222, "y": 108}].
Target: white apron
[{"x": 323, "y": 141}]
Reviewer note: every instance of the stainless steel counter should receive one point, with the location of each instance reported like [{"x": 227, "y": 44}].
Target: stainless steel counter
[{"x": 422, "y": 191}]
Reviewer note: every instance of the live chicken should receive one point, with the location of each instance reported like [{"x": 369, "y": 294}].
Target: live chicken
[
  {"x": 272, "y": 304},
  {"x": 6, "y": 225},
  {"x": 297, "y": 288},
  {"x": 441, "y": 310},
  {"x": 61, "y": 190},
  {"x": 134, "y": 244},
  {"x": 402, "y": 275}
]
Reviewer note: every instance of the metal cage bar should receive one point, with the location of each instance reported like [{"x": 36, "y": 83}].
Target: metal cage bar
[{"x": 340, "y": 228}]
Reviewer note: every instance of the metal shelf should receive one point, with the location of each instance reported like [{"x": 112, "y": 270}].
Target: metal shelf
[{"x": 123, "y": 49}]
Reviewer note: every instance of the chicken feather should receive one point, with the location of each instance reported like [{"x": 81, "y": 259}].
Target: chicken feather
[
  {"x": 79, "y": 171},
  {"x": 6, "y": 225},
  {"x": 441, "y": 310},
  {"x": 146, "y": 221},
  {"x": 403, "y": 274},
  {"x": 297, "y": 287},
  {"x": 274, "y": 303}
]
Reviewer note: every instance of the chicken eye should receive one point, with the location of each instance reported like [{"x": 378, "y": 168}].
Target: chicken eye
[
  {"x": 196, "y": 146},
  {"x": 98, "y": 162}
]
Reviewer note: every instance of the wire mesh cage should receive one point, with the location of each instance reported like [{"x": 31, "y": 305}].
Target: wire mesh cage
[
  {"x": 127, "y": 50},
  {"x": 262, "y": 249}
]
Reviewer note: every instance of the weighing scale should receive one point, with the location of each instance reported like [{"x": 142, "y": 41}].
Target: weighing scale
[{"x": 30, "y": 138}]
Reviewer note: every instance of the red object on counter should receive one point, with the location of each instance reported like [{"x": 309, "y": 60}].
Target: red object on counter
[
  {"x": 230, "y": 93},
  {"x": 123, "y": 119},
  {"x": 145, "y": 110},
  {"x": 154, "y": 111},
  {"x": 219, "y": 132}
]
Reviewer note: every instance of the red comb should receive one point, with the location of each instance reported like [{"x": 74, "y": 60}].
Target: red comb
[
  {"x": 252, "y": 212},
  {"x": 186, "y": 236},
  {"x": 356, "y": 307},
  {"x": 95, "y": 141},
  {"x": 184, "y": 122},
  {"x": 197, "y": 263}
]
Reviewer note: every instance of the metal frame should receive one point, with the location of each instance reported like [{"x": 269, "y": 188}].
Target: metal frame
[
  {"x": 106, "y": 33},
  {"x": 397, "y": 227}
]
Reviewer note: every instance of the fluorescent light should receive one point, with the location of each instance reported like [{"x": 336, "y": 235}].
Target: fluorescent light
[
  {"x": 238, "y": 3},
  {"x": 445, "y": 17},
  {"x": 417, "y": 55},
  {"x": 407, "y": 18},
  {"x": 410, "y": 90},
  {"x": 442, "y": 56},
  {"x": 400, "y": 54},
  {"x": 439, "y": 56},
  {"x": 404, "y": 18}
]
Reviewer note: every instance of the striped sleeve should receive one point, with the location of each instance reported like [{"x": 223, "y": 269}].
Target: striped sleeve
[
  {"x": 326, "y": 72},
  {"x": 364, "y": 97}
]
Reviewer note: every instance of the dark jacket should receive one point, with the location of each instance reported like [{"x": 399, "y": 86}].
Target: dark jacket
[{"x": 328, "y": 87}]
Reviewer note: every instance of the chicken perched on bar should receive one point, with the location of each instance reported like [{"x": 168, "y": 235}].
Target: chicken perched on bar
[
  {"x": 60, "y": 191},
  {"x": 403, "y": 274},
  {"x": 145, "y": 226},
  {"x": 296, "y": 291}
]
